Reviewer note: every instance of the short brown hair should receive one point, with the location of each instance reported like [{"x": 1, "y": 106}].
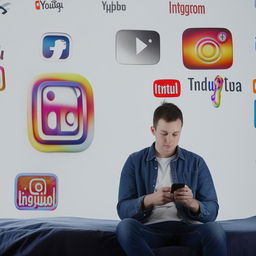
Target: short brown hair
[{"x": 167, "y": 111}]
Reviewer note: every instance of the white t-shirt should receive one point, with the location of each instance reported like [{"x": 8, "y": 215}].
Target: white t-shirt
[{"x": 166, "y": 212}]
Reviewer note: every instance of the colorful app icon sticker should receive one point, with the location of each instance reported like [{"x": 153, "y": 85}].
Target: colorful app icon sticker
[
  {"x": 2, "y": 79},
  {"x": 61, "y": 113},
  {"x": 166, "y": 88},
  {"x": 216, "y": 97},
  {"x": 36, "y": 191},
  {"x": 56, "y": 46},
  {"x": 207, "y": 48},
  {"x": 254, "y": 86},
  {"x": 137, "y": 47}
]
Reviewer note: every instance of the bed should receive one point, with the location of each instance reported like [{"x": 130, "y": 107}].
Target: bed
[{"x": 75, "y": 236}]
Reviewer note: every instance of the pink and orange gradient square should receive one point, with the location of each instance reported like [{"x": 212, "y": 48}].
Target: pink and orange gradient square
[
  {"x": 207, "y": 48},
  {"x": 60, "y": 113},
  {"x": 36, "y": 191}
]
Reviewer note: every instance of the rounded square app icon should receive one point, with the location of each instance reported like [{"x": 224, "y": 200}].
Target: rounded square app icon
[
  {"x": 56, "y": 46},
  {"x": 207, "y": 48},
  {"x": 60, "y": 113},
  {"x": 137, "y": 47},
  {"x": 34, "y": 191}
]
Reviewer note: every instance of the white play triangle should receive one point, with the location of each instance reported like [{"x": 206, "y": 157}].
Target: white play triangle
[{"x": 140, "y": 46}]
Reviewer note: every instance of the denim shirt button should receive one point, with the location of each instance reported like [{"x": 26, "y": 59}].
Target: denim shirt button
[{"x": 156, "y": 168}]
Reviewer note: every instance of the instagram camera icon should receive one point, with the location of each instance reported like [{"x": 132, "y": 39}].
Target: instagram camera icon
[
  {"x": 36, "y": 191},
  {"x": 61, "y": 113},
  {"x": 207, "y": 48}
]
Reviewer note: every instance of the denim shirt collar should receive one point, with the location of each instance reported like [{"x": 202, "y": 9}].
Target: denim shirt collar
[{"x": 152, "y": 153}]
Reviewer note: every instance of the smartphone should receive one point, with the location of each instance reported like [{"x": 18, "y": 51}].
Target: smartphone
[{"x": 176, "y": 186}]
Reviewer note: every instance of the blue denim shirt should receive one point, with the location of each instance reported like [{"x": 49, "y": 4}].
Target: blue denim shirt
[{"x": 139, "y": 175}]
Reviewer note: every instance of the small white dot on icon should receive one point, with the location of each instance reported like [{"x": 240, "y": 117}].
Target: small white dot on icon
[{"x": 222, "y": 36}]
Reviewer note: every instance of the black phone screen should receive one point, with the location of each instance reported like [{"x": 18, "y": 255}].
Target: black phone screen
[{"x": 176, "y": 186}]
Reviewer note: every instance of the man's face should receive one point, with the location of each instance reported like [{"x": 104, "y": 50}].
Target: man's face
[{"x": 167, "y": 136}]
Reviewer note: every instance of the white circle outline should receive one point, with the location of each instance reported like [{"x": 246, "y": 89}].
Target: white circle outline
[{"x": 202, "y": 42}]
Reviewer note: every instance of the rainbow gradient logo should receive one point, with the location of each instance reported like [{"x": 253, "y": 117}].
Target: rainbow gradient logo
[
  {"x": 207, "y": 48},
  {"x": 216, "y": 97},
  {"x": 60, "y": 113},
  {"x": 36, "y": 191}
]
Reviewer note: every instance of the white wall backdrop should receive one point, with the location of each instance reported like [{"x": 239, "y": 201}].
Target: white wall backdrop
[{"x": 124, "y": 101}]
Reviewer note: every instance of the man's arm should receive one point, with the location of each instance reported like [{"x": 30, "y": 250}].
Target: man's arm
[
  {"x": 203, "y": 206},
  {"x": 185, "y": 196},
  {"x": 130, "y": 203}
]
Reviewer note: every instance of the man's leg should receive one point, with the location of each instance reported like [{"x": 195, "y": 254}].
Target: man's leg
[
  {"x": 137, "y": 239},
  {"x": 209, "y": 236}
]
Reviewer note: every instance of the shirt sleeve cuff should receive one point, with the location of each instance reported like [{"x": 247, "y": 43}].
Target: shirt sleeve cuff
[
  {"x": 199, "y": 215},
  {"x": 142, "y": 211}
]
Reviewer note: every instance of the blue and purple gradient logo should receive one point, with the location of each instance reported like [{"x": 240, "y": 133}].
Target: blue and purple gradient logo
[{"x": 56, "y": 46}]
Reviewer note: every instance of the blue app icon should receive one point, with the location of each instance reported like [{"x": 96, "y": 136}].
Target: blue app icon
[
  {"x": 56, "y": 46},
  {"x": 255, "y": 113}
]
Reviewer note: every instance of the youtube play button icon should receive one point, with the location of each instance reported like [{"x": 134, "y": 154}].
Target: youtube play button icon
[{"x": 137, "y": 47}]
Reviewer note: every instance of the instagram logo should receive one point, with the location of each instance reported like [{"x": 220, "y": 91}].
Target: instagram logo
[
  {"x": 61, "y": 113},
  {"x": 2, "y": 79},
  {"x": 207, "y": 48},
  {"x": 36, "y": 192}
]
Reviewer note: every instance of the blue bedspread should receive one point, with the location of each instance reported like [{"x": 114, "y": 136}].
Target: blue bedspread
[
  {"x": 61, "y": 236},
  {"x": 74, "y": 236},
  {"x": 241, "y": 236}
]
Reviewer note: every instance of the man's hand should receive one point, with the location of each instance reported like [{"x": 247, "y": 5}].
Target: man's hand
[
  {"x": 185, "y": 196},
  {"x": 161, "y": 197}
]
